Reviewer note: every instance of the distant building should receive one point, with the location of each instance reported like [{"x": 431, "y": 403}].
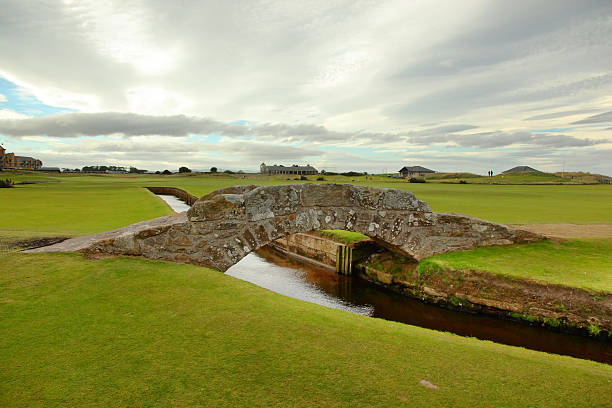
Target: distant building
[
  {"x": 49, "y": 169},
  {"x": 10, "y": 161},
  {"x": 414, "y": 171},
  {"x": 521, "y": 169},
  {"x": 295, "y": 169}
]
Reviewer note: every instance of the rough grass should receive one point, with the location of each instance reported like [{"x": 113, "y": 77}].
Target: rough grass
[
  {"x": 131, "y": 332},
  {"x": 451, "y": 176},
  {"x": 585, "y": 263},
  {"x": 523, "y": 178}
]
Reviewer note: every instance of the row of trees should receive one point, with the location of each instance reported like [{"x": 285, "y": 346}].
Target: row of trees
[
  {"x": 119, "y": 169},
  {"x": 188, "y": 170},
  {"x": 106, "y": 169}
]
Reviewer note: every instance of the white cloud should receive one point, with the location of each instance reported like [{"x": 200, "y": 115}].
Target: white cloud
[
  {"x": 2, "y": 98},
  {"x": 10, "y": 114},
  {"x": 331, "y": 73},
  {"x": 70, "y": 125}
]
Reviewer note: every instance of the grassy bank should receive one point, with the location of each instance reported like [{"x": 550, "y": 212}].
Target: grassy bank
[
  {"x": 126, "y": 332},
  {"x": 579, "y": 263}
]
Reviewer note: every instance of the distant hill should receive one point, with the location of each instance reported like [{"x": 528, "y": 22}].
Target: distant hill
[{"x": 521, "y": 169}]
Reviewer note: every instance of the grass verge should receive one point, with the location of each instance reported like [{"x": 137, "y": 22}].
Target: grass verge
[{"x": 585, "y": 263}]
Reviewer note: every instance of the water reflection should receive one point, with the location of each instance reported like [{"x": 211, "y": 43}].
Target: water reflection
[
  {"x": 279, "y": 273},
  {"x": 271, "y": 270}
]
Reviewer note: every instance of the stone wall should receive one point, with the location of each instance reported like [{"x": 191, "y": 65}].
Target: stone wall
[
  {"x": 224, "y": 226},
  {"x": 557, "y": 306},
  {"x": 177, "y": 192},
  {"x": 312, "y": 246}
]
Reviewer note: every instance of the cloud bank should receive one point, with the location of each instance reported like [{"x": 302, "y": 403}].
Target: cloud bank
[
  {"x": 72, "y": 125},
  {"x": 372, "y": 83}
]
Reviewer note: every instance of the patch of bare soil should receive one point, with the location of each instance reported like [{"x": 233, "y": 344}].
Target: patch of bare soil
[{"x": 569, "y": 230}]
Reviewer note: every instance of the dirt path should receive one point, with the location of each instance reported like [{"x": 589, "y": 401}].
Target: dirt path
[
  {"x": 78, "y": 243},
  {"x": 569, "y": 230}
]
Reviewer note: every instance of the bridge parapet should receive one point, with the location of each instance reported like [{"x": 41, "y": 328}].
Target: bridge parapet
[{"x": 225, "y": 225}]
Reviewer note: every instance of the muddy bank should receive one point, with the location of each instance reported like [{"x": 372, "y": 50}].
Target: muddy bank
[{"x": 557, "y": 307}]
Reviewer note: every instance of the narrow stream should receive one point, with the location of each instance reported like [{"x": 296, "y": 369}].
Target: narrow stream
[
  {"x": 272, "y": 270},
  {"x": 175, "y": 203}
]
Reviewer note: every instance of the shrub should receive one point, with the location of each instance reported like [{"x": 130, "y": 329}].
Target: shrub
[
  {"x": 6, "y": 183},
  {"x": 303, "y": 178},
  {"x": 228, "y": 172},
  {"x": 320, "y": 178},
  {"x": 551, "y": 321},
  {"x": 184, "y": 169},
  {"x": 594, "y": 330},
  {"x": 416, "y": 180},
  {"x": 462, "y": 182},
  {"x": 166, "y": 172}
]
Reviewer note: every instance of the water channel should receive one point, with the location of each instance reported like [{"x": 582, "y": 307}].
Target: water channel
[
  {"x": 272, "y": 270},
  {"x": 175, "y": 203}
]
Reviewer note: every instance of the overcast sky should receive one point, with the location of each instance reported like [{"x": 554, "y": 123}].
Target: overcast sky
[{"x": 472, "y": 86}]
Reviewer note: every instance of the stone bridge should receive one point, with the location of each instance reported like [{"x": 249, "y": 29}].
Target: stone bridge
[{"x": 224, "y": 226}]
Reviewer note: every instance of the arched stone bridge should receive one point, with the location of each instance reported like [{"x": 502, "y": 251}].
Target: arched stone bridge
[{"x": 224, "y": 226}]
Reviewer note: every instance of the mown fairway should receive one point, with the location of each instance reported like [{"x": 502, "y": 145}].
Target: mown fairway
[
  {"x": 134, "y": 332},
  {"x": 81, "y": 205}
]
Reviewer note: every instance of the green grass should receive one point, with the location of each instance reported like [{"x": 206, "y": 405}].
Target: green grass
[
  {"x": 578, "y": 263},
  {"x": 346, "y": 237},
  {"x": 133, "y": 332},
  {"x": 77, "y": 206},
  {"x": 518, "y": 178},
  {"x": 81, "y": 205},
  {"x": 451, "y": 176}
]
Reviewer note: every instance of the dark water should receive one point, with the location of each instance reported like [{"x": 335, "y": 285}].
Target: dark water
[{"x": 273, "y": 270}]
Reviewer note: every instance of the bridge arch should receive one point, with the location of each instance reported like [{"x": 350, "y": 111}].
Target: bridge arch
[{"x": 224, "y": 226}]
